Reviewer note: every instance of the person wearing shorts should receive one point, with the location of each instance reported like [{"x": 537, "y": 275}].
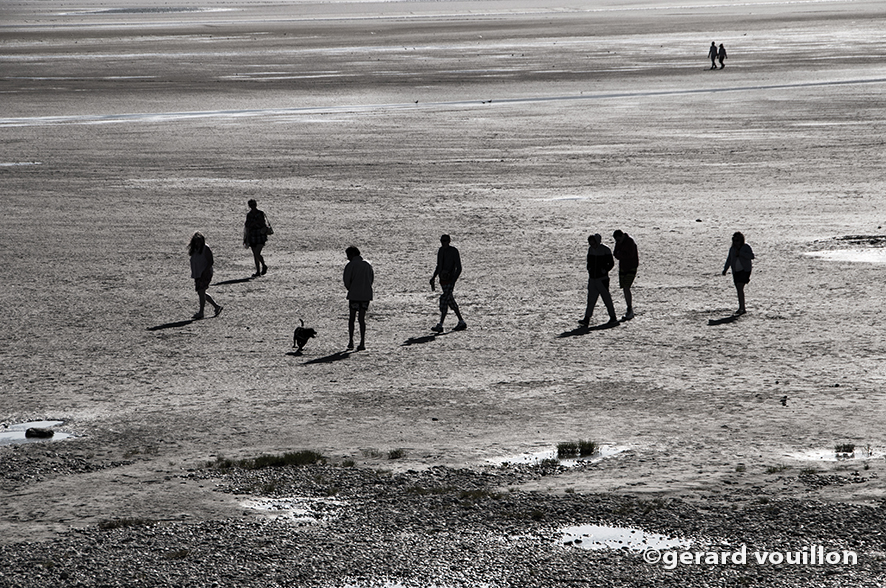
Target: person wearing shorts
[
  {"x": 201, "y": 272},
  {"x": 448, "y": 269},
  {"x": 625, "y": 252},
  {"x": 358, "y": 277},
  {"x": 739, "y": 261}
]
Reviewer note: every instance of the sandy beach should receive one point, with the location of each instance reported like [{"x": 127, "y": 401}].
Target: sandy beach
[{"x": 519, "y": 128}]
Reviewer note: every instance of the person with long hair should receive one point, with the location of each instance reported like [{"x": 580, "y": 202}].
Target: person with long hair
[
  {"x": 255, "y": 235},
  {"x": 739, "y": 261},
  {"x": 201, "y": 271}
]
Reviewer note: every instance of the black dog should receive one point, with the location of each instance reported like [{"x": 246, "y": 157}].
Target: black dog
[{"x": 301, "y": 336}]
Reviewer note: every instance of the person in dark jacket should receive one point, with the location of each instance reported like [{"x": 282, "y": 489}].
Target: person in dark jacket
[
  {"x": 448, "y": 270},
  {"x": 255, "y": 235},
  {"x": 721, "y": 55},
  {"x": 600, "y": 261},
  {"x": 358, "y": 278},
  {"x": 739, "y": 261},
  {"x": 628, "y": 260},
  {"x": 712, "y": 55}
]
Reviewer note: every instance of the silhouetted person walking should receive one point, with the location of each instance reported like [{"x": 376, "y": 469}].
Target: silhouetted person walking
[
  {"x": 255, "y": 235},
  {"x": 739, "y": 260},
  {"x": 448, "y": 269},
  {"x": 721, "y": 55},
  {"x": 628, "y": 260},
  {"x": 358, "y": 277},
  {"x": 712, "y": 55},
  {"x": 599, "y": 263},
  {"x": 201, "y": 271}
]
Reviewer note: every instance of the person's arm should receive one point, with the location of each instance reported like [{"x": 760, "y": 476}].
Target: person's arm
[
  {"x": 456, "y": 271},
  {"x": 609, "y": 262},
  {"x": 436, "y": 269},
  {"x": 728, "y": 261},
  {"x": 347, "y": 277}
]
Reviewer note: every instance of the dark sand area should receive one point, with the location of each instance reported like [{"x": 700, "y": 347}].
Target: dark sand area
[{"x": 517, "y": 127}]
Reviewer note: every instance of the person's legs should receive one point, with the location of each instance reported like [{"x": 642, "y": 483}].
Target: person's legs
[
  {"x": 361, "y": 314},
  {"x": 739, "y": 288},
  {"x": 625, "y": 281},
  {"x": 260, "y": 267},
  {"x": 209, "y": 299},
  {"x": 454, "y": 305},
  {"x": 351, "y": 326},
  {"x": 607, "y": 300},
  {"x": 446, "y": 301},
  {"x": 201, "y": 296},
  {"x": 593, "y": 294}
]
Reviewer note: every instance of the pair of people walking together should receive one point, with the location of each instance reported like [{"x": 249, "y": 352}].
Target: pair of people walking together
[
  {"x": 600, "y": 261},
  {"x": 359, "y": 276}
]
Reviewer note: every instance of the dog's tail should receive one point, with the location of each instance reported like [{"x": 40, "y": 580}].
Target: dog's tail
[{"x": 302, "y": 321}]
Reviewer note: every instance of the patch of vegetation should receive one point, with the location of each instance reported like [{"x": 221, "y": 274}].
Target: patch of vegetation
[
  {"x": 580, "y": 448},
  {"x": 396, "y": 453},
  {"x": 477, "y": 495},
  {"x": 124, "y": 523},
  {"x": 348, "y": 463},
  {"x": 548, "y": 463},
  {"x": 371, "y": 452},
  {"x": 844, "y": 448},
  {"x": 777, "y": 469},
  {"x": 291, "y": 458},
  {"x": 809, "y": 471}
]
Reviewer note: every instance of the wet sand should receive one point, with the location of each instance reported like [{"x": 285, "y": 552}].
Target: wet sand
[{"x": 518, "y": 128}]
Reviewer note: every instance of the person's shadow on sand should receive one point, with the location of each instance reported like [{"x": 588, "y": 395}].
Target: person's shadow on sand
[
  {"x": 237, "y": 281},
  {"x": 422, "y": 340},
  {"x": 723, "y": 321},
  {"x": 578, "y": 331},
  {"x": 174, "y": 325},
  {"x": 337, "y": 356}
]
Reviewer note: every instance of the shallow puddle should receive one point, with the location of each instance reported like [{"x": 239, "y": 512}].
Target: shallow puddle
[
  {"x": 298, "y": 509},
  {"x": 605, "y": 452},
  {"x": 605, "y": 537},
  {"x": 860, "y": 453},
  {"x": 852, "y": 255},
  {"x": 16, "y": 433}
]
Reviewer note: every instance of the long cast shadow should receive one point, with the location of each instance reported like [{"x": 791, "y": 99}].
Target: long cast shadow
[
  {"x": 577, "y": 332},
  {"x": 174, "y": 325},
  {"x": 237, "y": 281},
  {"x": 723, "y": 321},
  {"x": 337, "y": 356},
  {"x": 422, "y": 340}
]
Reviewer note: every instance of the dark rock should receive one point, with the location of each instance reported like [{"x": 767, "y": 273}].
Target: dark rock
[{"x": 39, "y": 433}]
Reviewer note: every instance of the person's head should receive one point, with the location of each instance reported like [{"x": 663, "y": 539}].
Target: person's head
[
  {"x": 445, "y": 240},
  {"x": 198, "y": 241},
  {"x": 352, "y": 252},
  {"x": 595, "y": 239},
  {"x": 252, "y": 204},
  {"x": 618, "y": 235},
  {"x": 737, "y": 239}
]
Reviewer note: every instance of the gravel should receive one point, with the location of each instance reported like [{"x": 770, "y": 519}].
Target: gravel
[{"x": 358, "y": 526}]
